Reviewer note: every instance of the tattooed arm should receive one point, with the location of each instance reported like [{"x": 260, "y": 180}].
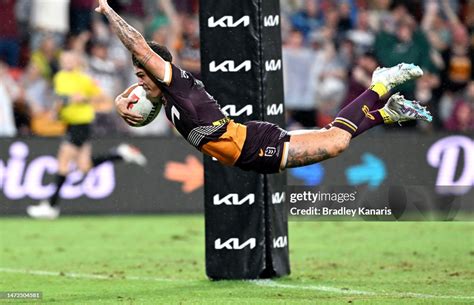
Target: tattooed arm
[{"x": 133, "y": 41}]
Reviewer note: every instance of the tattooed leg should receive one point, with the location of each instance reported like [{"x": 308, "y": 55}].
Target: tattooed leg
[{"x": 315, "y": 146}]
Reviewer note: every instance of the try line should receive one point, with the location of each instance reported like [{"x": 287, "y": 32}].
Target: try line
[{"x": 261, "y": 283}]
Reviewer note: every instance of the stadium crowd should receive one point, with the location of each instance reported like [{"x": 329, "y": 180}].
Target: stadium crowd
[{"x": 330, "y": 49}]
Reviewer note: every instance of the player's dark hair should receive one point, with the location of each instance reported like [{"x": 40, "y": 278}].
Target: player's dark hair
[{"x": 158, "y": 49}]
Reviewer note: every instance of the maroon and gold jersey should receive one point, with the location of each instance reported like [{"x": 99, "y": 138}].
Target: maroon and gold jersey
[
  {"x": 194, "y": 112},
  {"x": 257, "y": 146}
]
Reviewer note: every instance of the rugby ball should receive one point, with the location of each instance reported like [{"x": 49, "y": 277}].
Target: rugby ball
[{"x": 143, "y": 106}]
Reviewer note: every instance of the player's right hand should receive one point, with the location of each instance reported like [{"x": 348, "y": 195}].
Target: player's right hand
[{"x": 121, "y": 104}]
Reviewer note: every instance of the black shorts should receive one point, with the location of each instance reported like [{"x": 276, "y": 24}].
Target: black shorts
[
  {"x": 265, "y": 148},
  {"x": 78, "y": 134}
]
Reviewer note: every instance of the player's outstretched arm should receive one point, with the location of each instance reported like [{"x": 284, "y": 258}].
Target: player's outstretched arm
[{"x": 133, "y": 41}]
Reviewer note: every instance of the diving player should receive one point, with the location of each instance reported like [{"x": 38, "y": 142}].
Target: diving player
[{"x": 256, "y": 145}]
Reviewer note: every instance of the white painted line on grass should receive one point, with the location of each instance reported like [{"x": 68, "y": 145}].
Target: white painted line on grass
[
  {"x": 90, "y": 276},
  {"x": 261, "y": 283},
  {"x": 273, "y": 284}
]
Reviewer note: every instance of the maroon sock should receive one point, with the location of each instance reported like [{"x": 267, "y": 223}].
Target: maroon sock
[
  {"x": 372, "y": 119},
  {"x": 379, "y": 104},
  {"x": 353, "y": 114}
]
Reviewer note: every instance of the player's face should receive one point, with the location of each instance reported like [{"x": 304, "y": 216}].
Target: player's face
[{"x": 146, "y": 81}]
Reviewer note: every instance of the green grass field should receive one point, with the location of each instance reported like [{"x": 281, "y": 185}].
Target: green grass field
[{"x": 160, "y": 260}]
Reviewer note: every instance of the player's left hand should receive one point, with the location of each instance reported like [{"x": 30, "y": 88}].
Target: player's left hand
[
  {"x": 121, "y": 104},
  {"x": 103, "y": 5}
]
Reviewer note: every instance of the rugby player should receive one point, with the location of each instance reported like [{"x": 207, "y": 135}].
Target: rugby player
[{"x": 258, "y": 146}]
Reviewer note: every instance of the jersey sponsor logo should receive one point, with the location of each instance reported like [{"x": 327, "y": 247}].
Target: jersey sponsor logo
[
  {"x": 280, "y": 242},
  {"x": 233, "y": 199},
  {"x": 275, "y": 109},
  {"x": 234, "y": 244},
  {"x": 366, "y": 110},
  {"x": 228, "y": 22},
  {"x": 272, "y": 20},
  {"x": 184, "y": 74},
  {"x": 174, "y": 114},
  {"x": 273, "y": 65},
  {"x": 230, "y": 66},
  {"x": 220, "y": 122},
  {"x": 231, "y": 110},
  {"x": 270, "y": 151},
  {"x": 278, "y": 197}
]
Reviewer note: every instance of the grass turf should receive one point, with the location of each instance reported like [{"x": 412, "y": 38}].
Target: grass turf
[{"x": 160, "y": 260}]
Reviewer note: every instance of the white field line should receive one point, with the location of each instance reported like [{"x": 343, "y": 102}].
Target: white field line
[
  {"x": 261, "y": 283},
  {"x": 273, "y": 284},
  {"x": 89, "y": 276}
]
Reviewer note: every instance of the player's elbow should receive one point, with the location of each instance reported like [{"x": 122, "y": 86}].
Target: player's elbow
[{"x": 138, "y": 49}]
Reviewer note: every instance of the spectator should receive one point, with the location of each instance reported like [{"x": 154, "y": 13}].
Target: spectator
[
  {"x": 104, "y": 73},
  {"x": 299, "y": 66},
  {"x": 49, "y": 17},
  {"x": 22, "y": 14},
  {"x": 346, "y": 12},
  {"x": 308, "y": 19},
  {"x": 436, "y": 27},
  {"x": 102, "y": 69},
  {"x": 37, "y": 90},
  {"x": 187, "y": 6},
  {"x": 22, "y": 114},
  {"x": 46, "y": 57},
  {"x": 329, "y": 79},
  {"x": 458, "y": 60},
  {"x": 362, "y": 35},
  {"x": 407, "y": 44},
  {"x": 380, "y": 18},
  {"x": 78, "y": 43},
  {"x": 80, "y": 15},
  {"x": 469, "y": 18},
  {"x": 132, "y": 11},
  {"x": 165, "y": 27},
  {"x": 341, "y": 34},
  {"x": 190, "y": 53},
  {"x": 116, "y": 53},
  {"x": 462, "y": 117},
  {"x": 9, "y": 44},
  {"x": 360, "y": 76},
  {"x": 9, "y": 91}
]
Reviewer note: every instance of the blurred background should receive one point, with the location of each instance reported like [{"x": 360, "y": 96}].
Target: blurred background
[{"x": 330, "y": 51}]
